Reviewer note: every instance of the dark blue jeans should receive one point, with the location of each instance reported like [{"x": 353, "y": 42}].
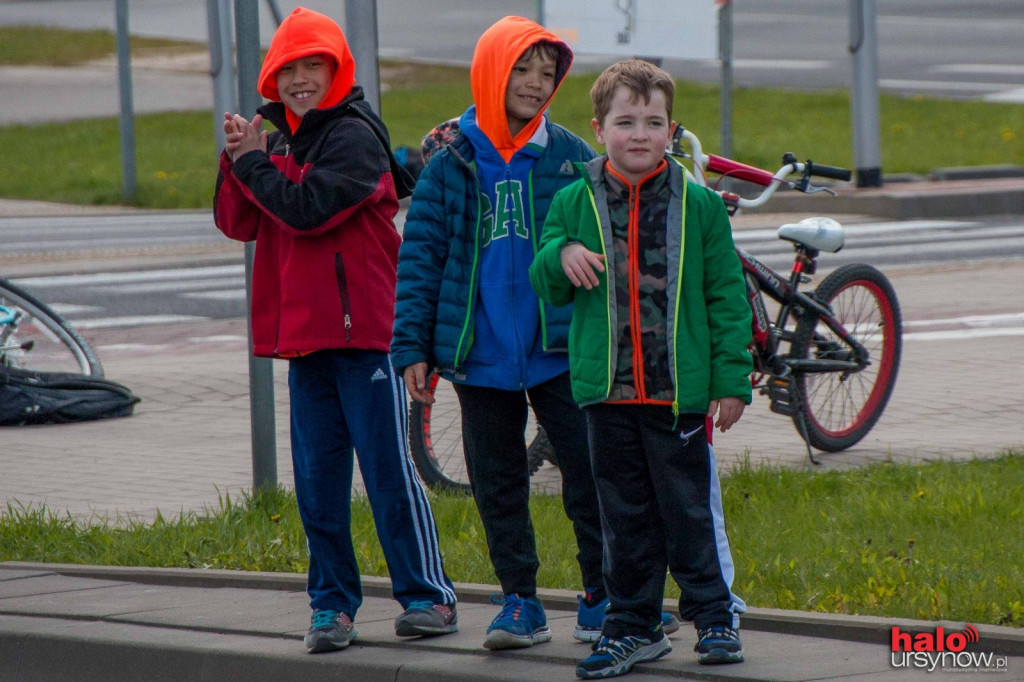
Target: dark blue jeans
[
  {"x": 661, "y": 507},
  {"x": 342, "y": 400},
  {"x": 493, "y": 432}
]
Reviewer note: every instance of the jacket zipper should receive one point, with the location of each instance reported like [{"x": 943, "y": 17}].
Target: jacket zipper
[
  {"x": 633, "y": 233},
  {"x": 346, "y": 306},
  {"x": 476, "y": 261}
]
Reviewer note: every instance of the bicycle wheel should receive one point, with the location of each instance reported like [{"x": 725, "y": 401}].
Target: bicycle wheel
[
  {"x": 840, "y": 408},
  {"x": 41, "y": 340},
  {"x": 435, "y": 440}
]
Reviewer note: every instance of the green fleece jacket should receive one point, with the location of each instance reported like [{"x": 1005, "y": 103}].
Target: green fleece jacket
[{"x": 708, "y": 314}]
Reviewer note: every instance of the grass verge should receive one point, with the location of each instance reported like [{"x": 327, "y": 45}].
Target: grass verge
[
  {"x": 49, "y": 46},
  {"x": 935, "y": 541},
  {"x": 79, "y": 161}
]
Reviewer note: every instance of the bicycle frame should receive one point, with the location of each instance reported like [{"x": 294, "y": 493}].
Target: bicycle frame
[
  {"x": 767, "y": 335},
  {"x": 822, "y": 342}
]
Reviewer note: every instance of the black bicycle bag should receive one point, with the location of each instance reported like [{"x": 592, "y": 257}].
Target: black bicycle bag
[{"x": 31, "y": 397}]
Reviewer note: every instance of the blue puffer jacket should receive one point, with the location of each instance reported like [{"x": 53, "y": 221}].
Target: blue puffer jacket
[{"x": 438, "y": 265}]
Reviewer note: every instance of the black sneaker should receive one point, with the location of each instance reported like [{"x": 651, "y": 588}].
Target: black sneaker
[
  {"x": 329, "y": 631},
  {"x": 718, "y": 644},
  {"x": 427, "y": 618},
  {"x": 614, "y": 657}
]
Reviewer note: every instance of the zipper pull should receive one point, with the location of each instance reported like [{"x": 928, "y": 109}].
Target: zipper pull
[{"x": 348, "y": 327}]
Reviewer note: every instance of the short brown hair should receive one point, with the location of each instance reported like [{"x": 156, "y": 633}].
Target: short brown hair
[{"x": 641, "y": 78}]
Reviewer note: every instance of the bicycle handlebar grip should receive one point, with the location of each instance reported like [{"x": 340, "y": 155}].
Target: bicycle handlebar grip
[
  {"x": 832, "y": 172},
  {"x": 734, "y": 169}
]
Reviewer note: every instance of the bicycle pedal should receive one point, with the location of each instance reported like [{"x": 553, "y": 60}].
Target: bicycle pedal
[{"x": 780, "y": 392}]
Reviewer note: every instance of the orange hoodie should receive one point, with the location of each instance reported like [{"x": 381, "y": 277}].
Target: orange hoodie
[
  {"x": 496, "y": 53},
  {"x": 304, "y": 33}
]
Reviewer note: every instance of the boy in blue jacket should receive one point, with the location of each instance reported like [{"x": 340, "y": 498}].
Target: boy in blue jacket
[{"x": 466, "y": 308}]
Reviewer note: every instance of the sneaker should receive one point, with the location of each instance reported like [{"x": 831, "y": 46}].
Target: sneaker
[
  {"x": 718, "y": 644},
  {"x": 329, "y": 631},
  {"x": 521, "y": 623},
  {"x": 427, "y": 618},
  {"x": 589, "y": 620},
  {"x": 613, "y": 657}
]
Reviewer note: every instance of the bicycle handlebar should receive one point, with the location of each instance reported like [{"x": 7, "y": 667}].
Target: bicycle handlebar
[{"x": 734, "y": 169}]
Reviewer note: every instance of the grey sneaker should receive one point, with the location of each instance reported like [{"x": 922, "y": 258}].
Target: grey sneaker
[
  {"x": 329, "y": 631},
  {"x": 427, "y": 618}
]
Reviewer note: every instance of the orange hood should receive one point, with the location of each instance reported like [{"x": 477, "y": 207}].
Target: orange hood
[
  {"x": 496, "y": 53},
  {"x": 304, "y": 33}
]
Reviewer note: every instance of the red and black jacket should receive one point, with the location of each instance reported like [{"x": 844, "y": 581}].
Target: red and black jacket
[{"x": 321, "y": 207}]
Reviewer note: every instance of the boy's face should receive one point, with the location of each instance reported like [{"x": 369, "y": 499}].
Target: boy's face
[
  {"x": 302, "y": 83},
  {"x": 634, "y": 134},
  {"x": 529, "y": 87}
]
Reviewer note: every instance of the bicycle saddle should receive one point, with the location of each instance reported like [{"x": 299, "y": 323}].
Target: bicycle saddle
[{"x": 823, "y": 234}]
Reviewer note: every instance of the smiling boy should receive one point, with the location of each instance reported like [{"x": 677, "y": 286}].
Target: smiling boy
[
  {"x": 658, "y": 349},
  {"x": 319, "y": 196},
  {"x": 466, "y": 309}
]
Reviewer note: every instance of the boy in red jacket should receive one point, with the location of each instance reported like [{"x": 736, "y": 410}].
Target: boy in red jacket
[{"x": 319, "y": 196}]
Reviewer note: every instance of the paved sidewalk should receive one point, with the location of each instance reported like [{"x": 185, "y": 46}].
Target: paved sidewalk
[{"x": 87, "y": 624}]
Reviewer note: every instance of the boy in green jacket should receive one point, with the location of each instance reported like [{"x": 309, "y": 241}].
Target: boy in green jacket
[{"x": 657, "y": 350}]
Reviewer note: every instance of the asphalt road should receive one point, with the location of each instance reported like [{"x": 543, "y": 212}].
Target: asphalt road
[{"x": 943, "y": 47}]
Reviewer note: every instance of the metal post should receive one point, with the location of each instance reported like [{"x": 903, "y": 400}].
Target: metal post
[
  {"x": 361, "y": 34},
  {"x": 864, "y": 102},
  {"x": 276, "y": 11},
  {"x": 124, "y": 74},
  {"x": 725, "y": 42},
  {"x": 261, "y": 370},
  {"x": 222, "y": 68}
]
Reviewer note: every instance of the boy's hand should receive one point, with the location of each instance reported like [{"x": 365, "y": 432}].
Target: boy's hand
[
  {"x": 579, "y": 264},
  {"x": 416, "y": 381},
  {"x": 242, "y": 136},
  {"x": 729, "y": 409}
]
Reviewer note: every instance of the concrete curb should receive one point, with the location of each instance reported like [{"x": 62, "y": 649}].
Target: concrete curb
[
  {"x": 868, "y": 629},
  {"x": 903, "y": 201}
]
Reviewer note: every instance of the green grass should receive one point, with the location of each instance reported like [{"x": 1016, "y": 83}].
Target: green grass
[
  {"x": 48, "y": 46},
  {"x": 933, "y": 541},
  {"x": 79, "y": 162}
]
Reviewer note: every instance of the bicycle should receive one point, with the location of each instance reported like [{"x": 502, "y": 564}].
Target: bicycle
[
  {"x": 830, "y": 359},
  {"x": 435, "y": 440},
  {"x": 34, "y": 337}
]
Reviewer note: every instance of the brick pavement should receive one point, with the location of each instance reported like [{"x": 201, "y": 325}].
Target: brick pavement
[{"x": 189, "y": 443}]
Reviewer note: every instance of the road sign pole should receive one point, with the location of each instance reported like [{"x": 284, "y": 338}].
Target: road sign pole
[
  {"x": 261, "y": 370},
  {"x": 124, "y": 72},
  {"x": 867, "y": 146},
  {"x": 361, "y": 34}
]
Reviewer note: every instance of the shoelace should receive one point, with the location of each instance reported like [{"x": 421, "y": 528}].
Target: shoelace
[
  {"x": 324, "y": 619},
  {"x": 717, "y": 632},
  {"x": 619, "y": 649},
  {"x": 421, "y": 605},
  {"x": 513, "y": 605}
]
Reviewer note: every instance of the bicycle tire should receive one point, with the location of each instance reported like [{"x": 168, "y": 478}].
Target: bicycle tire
[
  {"x": 44, "y": 341},
  {"x": 838, "y": 409},
  {"x": 435, "y": 440}
]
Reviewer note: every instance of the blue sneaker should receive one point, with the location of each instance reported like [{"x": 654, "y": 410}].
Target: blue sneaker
[
  {"x": 589, "y": 620},
  {"x": 521, "y": 623},
  {"x": 614, "y": 657},
  {"x": 718, "y": 644}
]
